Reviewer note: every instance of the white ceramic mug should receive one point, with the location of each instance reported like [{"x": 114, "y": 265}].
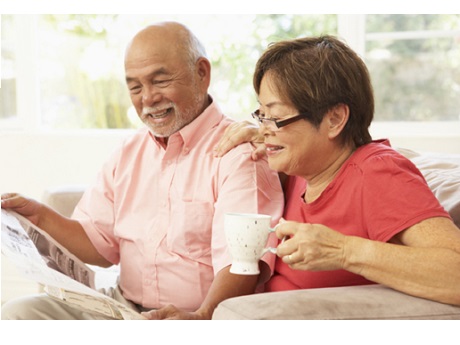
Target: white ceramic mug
[{"x": 247, "y": 236}]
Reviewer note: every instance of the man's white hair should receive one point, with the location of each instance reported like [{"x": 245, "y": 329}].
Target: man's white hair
[{"x": 194, "y": 47}]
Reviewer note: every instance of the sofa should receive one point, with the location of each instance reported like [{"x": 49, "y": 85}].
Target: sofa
[{"x": 369, "y": 302}]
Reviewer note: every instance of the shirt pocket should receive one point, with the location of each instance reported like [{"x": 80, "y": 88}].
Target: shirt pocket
[{"x": 190, "y": 233}]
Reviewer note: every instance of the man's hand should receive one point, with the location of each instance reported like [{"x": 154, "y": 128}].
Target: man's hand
[
  {"x": 170, "y": 312},
  {"x": 238, "y": 133},
  {"x": 225, "y": 285},
  {"x": 26, "y": 207},
  {"x": 66, "y": 231}
]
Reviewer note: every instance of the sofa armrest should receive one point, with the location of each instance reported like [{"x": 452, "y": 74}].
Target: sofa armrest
[
  {"x": 63, "y": 199},
  {"x": 368, "y": 302}
]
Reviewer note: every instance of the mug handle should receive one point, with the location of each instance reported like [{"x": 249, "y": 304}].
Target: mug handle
[{"x": 271, "y": 249}]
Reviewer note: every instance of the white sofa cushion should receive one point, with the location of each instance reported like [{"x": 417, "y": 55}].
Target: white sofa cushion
[{"x": 442, "y": 173}]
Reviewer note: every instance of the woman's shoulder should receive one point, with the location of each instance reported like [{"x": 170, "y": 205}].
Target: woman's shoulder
[
  {"x": 379, "y": 152},
  {"x": 376, "y": 148}
]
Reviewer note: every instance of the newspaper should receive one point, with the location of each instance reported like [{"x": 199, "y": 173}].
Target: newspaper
[{"x": 65, "y": 277}]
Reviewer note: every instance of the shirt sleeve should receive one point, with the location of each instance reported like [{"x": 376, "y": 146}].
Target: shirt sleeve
[
  {"x": 95, "y": 212},
  {"x": 245, "y": 186},
  {"x": 395, "y": 197}
]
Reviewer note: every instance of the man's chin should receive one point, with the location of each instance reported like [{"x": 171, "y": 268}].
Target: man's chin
[
  {"x": 162, "y": 130},
  {"x": 159, "y": 134}
]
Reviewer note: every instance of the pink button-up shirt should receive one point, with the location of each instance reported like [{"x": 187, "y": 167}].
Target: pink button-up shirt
[{"x": 158, "y": 211}]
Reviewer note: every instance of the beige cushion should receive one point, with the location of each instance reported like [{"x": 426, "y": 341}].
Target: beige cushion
[
  {"x": 369, "y": 302},
  {"x": 442, "y": 173},
  {"x": 63, "y": 199}
]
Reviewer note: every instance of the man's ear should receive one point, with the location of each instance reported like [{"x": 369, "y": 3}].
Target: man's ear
[
  {"x": 337, "y": 118},
  {"x": 204, "y": 70}
]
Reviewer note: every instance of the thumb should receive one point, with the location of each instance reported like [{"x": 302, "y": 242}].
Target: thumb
[
  {"x": 259, "y": 152},
  {"x": 151, "y": 315}
]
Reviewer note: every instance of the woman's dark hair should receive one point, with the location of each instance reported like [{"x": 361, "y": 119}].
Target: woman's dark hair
[{"x": 316, "y": 73}]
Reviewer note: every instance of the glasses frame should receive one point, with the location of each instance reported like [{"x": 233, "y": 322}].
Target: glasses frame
[{"x": 276, "y": 123}]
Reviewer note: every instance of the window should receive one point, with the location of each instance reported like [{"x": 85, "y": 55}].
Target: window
[
  {"x": 77, "y": 80},
  {"x": 79, "y": 75},
  {"x": 414, "y": 62},
  {"x": 8, "y": 111}
]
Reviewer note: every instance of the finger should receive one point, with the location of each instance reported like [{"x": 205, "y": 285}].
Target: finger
[
  {"x": 10, "y": 200},
  {"x": 289, "y": 259},
  {"x": 285, "y": 231},
  {"x": 225, "y": 144},
  {"x": 154, "y": 314},
  {"x": 7, "y": 196},
  {"x": 234, "y": 135},
  {"x": 285, "y": 248},
  {"x": 285, "y": 228},
  {"x": 259, "y": 152},
  {"x": 148, "y": 315}
]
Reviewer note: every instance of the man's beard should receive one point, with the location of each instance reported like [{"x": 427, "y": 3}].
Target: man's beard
[{"x": 182, "y": 117}]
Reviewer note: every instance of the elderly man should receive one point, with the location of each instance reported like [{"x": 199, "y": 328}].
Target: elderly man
[{"x": 158, "y": 204}]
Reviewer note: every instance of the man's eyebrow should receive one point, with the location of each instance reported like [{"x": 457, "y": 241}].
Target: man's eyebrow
[{"x": 154, "y": 74}]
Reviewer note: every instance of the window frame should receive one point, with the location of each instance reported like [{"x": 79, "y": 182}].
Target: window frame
[{"x": 352, "y": 29}]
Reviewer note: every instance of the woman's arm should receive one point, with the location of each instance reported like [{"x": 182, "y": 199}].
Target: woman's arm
[
  {"x": 423, "y": 260},
  {"x": 238, "y": 133}
]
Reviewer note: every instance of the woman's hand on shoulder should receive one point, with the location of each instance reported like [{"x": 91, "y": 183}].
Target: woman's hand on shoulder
[{"x": 238, "y": 133}]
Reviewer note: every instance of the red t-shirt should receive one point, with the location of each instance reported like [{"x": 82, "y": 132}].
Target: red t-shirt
[{"x": 376, "y": 194}]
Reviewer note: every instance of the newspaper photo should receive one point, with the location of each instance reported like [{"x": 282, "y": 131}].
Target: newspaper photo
[{"x": 65, "y": 277}]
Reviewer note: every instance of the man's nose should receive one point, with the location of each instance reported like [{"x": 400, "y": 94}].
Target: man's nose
[{"x": 150, "y": 96}]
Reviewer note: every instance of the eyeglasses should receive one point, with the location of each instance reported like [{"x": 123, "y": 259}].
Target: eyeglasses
[{"x": 275, "y": 125}]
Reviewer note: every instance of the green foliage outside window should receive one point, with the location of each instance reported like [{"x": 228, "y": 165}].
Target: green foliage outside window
[
  {"x": 102, "y": 102},
  {"x": 415, "y": 79}
]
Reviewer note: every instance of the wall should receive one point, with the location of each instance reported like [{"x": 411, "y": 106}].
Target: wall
[
  {"x": 35, "y": 161},
  {"x": 429, "y": 137},
  {"x": 32, "y": 162}
]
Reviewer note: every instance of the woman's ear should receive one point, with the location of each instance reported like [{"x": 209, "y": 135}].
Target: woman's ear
[{"x": 337, "y": 118}]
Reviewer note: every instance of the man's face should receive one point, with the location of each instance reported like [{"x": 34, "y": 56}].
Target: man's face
[{"x": 165, "y": 90}]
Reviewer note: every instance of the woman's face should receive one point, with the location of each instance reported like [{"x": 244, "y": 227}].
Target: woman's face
[{"x": 298, "y": 148}]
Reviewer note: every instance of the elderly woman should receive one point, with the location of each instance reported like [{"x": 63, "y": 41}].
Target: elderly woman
[{"x": 357, "y": 212}]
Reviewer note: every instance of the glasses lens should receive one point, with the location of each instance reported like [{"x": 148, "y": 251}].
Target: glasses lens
[{"x": 268, "y": 123}]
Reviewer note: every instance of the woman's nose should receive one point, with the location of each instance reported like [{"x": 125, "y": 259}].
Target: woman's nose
[{"x": 264, "y": 129}]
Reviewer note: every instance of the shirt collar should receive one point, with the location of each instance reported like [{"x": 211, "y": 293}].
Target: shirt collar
[{"x": 198, "y": 128}]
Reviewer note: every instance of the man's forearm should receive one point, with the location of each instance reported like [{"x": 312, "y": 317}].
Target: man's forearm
[
  {"x": 224, "y": 286},
  {"x": 71, "y": 235}
]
